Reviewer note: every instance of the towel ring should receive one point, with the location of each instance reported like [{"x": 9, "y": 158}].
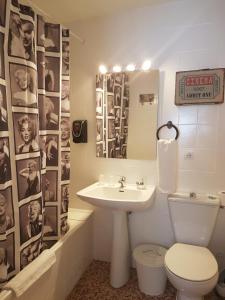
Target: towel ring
[{"x": 169, "y": 125}]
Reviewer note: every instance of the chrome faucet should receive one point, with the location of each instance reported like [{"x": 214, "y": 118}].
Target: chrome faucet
[
  {"x": 122, "y": 182},
  {"x": 193, "y": 195}
]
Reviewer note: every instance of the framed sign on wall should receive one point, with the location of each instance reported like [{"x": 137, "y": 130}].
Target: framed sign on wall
[{"x": 200, "y": 87}]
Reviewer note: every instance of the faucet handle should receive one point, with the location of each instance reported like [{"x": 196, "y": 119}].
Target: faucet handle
[
  {"x": 122, "y": 178},
  {"x": 140, "y": 184},
  {"x": 193, "y": 195}
]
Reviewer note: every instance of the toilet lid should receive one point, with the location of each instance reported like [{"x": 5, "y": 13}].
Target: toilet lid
[{"x": 190, "y": 262}]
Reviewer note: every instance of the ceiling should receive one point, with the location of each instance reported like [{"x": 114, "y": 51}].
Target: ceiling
[{"x": 67, "y": 11}]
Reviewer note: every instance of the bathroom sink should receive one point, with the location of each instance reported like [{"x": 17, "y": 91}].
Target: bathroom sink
[
  {"x": 120, "y": 201},
  {"x": 127, "y": 199}
]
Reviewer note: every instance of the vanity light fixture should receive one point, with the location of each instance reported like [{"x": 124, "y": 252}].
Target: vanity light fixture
[
  {"x": 102, "y": 69},
  {"x": 130, "y": 67},
  {"x": 117, "y": 69},
  {"x": 146, "y": 65}
]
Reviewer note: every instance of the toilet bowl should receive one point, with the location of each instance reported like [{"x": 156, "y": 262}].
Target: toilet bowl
[
  {"x": 190, "y": 266},
  {"x": 192, "y": 270}
]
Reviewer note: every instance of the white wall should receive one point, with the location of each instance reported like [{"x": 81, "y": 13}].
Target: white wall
[
  {"x": 141, "y": 142},
  {"x": 181, "y": 35}
]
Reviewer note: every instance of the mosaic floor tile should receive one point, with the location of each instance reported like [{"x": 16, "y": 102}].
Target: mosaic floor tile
[{"x": 94, "y": 285}]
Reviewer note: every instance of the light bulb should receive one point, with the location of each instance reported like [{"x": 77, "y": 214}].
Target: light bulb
[
  {"x": 102, "y": 69},
  {"x": 146, "y": 65},
  {"x": 117, "y": 69},
  {"x": 130, "y": 67}
]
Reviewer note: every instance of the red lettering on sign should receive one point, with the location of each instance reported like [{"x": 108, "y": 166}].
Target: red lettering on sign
[{"x": 199, "y": 80}]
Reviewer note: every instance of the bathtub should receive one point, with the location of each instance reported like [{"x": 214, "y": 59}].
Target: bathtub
[{"x": 73, "y": 255}]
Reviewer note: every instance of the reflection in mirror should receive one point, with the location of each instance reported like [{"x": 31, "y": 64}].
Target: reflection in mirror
[{"x": 126, "y": 113}]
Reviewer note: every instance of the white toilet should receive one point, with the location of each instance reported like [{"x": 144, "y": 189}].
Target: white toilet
[{"x": 190, "y": 266}]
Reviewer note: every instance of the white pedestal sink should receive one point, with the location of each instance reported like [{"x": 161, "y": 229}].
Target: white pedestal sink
[{"x": 120, "y": 201}]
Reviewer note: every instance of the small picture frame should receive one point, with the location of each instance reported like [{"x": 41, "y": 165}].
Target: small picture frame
[
  {"x": 200, "y": 87},
  {"x": 146, "y": 98}
]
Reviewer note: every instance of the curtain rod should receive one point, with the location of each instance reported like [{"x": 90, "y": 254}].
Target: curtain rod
[{"x": 51, "y": 18}]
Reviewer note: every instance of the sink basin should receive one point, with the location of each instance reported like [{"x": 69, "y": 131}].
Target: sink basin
[
  {"x": 120, "y": 201},
  {"x": 128, "y": 199}
]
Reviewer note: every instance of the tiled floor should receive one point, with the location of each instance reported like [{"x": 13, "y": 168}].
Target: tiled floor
[{"x": 94, "y": 285}]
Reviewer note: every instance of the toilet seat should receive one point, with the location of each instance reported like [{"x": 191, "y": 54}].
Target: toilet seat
[{"x": 189, "y": 262}]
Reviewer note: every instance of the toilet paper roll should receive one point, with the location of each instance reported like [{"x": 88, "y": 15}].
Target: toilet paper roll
[{"x": 221, "y": 195}]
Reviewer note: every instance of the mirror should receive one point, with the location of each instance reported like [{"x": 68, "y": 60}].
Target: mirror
[{"x": 126, "y": 114}]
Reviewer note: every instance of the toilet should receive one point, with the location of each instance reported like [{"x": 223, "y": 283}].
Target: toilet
[{"x": 191, "y": 267}]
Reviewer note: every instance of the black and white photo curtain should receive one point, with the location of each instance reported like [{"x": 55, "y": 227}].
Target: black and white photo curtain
[
  {"x": 112, "y": 110},
  {"x": 34, "y": 135}
]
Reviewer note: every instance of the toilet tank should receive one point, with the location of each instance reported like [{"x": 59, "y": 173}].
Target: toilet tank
[{"x": 193, "y": 219}]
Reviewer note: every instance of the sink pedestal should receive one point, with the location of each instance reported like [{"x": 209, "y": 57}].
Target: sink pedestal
[
  {"x": 120, "y": 259},
  {"x": 132, "y": 199}
]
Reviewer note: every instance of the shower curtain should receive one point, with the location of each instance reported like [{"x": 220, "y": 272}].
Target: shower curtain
[{"x": 34, "y": 135}]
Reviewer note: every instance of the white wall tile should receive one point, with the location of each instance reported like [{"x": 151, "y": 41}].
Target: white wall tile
[
  {"x": 208, "y": 114},
  {"x": 196, "y": 181},
  {"x": 170, "y": 113},
  {"x": 205, "y": 160},
  {"x": 187, "y": 181},
  {"x": 187, "y": 115},
  {"x": 206, "y": 136},
  {"x": 187, "y": 136}
]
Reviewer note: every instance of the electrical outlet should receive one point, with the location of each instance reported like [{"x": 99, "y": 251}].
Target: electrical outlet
[{"x": 189, "y": 155}]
